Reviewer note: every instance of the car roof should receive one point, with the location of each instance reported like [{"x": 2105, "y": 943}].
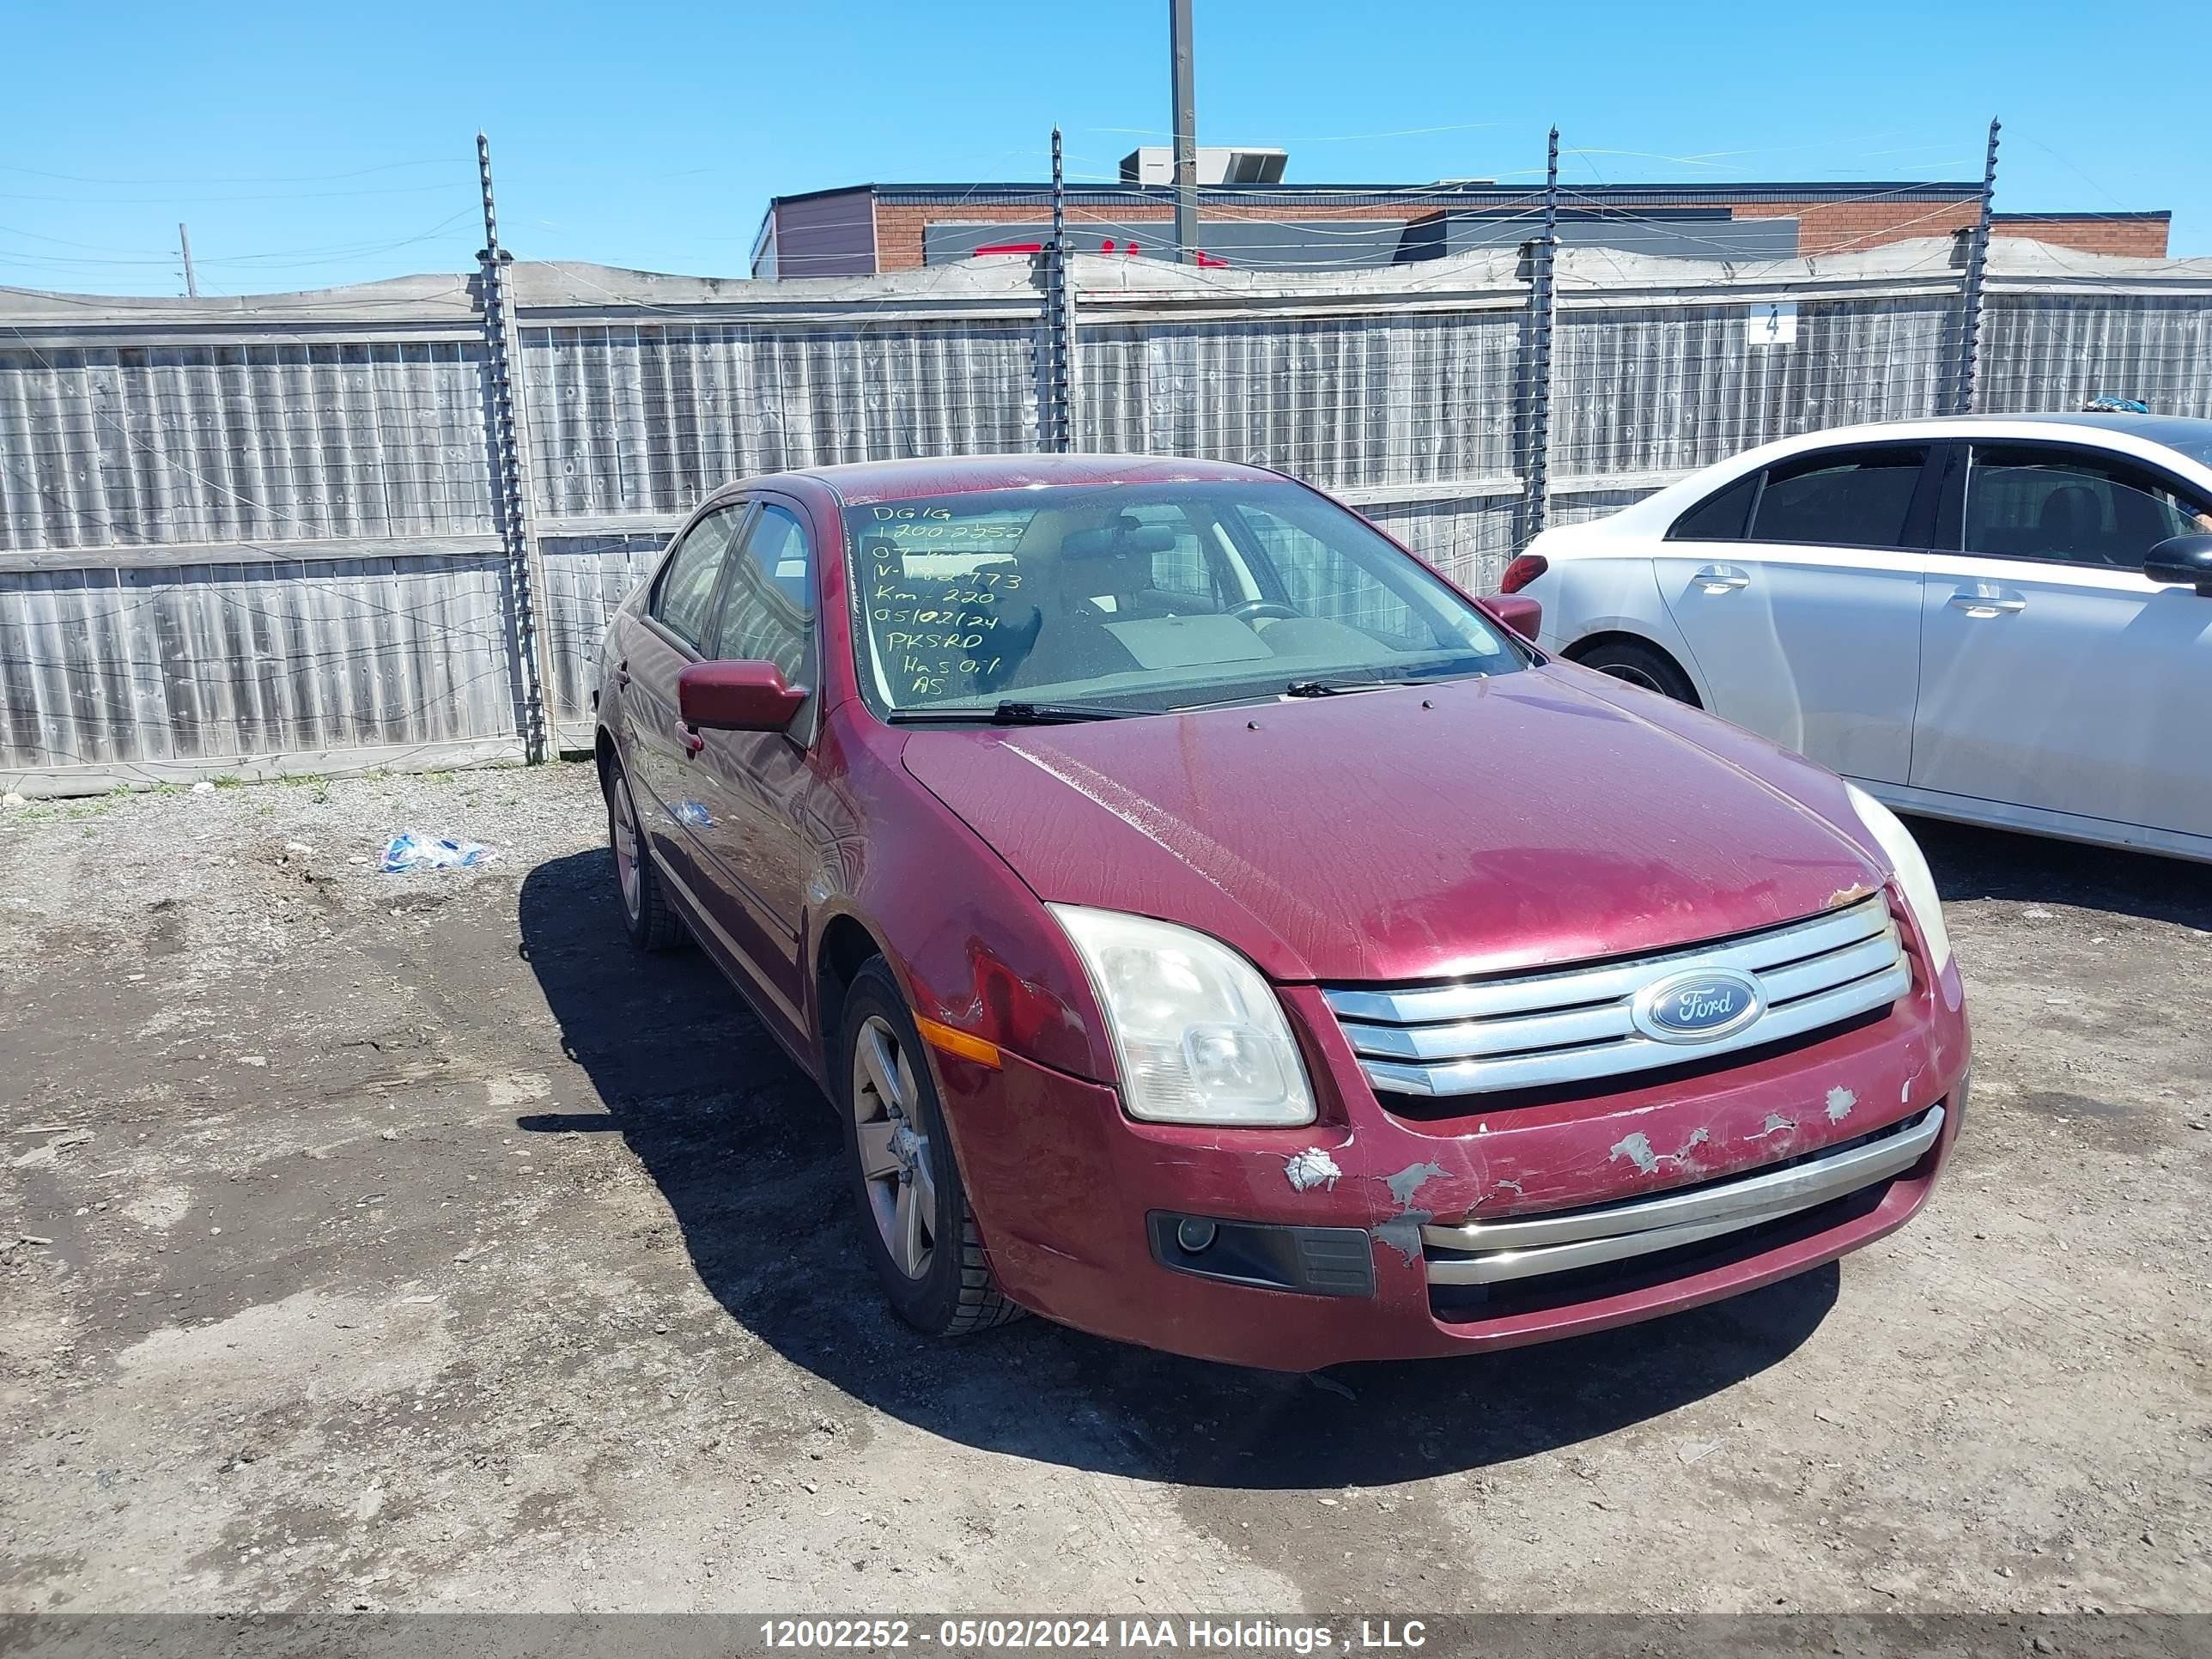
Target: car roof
[
  {"x": 862, "y": 483},
  {"x": 2183, "y": 432},
  {"x": 2188, "y": 437},
  {"x": 2187, "y": 441}
]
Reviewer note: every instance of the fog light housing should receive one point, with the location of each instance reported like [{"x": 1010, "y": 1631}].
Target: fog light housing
[
  {"x": 1195, "y": 1235},
  {"x": 1265, "y": 1255}
]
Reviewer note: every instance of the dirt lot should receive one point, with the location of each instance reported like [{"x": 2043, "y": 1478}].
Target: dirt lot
[{"x": 407, "y": 1242}]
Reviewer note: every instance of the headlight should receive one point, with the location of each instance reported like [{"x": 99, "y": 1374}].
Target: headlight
[
  {"x": 1911, "y": 871},
  {"x": 1199, "y": 1035}
]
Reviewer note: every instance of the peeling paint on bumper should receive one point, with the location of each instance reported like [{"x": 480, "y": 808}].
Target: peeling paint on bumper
[{"x": 1062, "y": 1181}]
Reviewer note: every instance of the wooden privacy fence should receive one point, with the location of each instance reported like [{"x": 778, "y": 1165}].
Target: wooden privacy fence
[{"x": 270, "y": 534}]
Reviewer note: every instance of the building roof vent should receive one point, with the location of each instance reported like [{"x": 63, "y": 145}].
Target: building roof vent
[{"x": 1154, "y": 164}]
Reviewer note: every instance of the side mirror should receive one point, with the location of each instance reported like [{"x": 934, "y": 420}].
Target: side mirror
[
  {"x": 2182, "y": 559},
  {"x": 737, "y": 697},
  {"x": 1524, "y": 616}
]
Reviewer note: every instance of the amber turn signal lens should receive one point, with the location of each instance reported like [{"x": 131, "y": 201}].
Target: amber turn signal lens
[{"x": 945, "y": 1040}]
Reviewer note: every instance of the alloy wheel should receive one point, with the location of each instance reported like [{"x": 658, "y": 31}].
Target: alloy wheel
[
  {"x": 893, "y": 1151},
  {"x": 622, "y": 823}
]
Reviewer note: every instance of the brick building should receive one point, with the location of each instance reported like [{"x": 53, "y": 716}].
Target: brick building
[{"x": 862, "y": 229}]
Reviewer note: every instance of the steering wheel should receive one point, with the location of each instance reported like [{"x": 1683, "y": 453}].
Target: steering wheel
[{"x": 1253, "y": 610}]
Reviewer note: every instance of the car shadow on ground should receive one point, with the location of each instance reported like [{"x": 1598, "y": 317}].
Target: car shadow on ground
[
  {"x": 750, "y": 1160},
  {"x": 1969, "y": 862}
]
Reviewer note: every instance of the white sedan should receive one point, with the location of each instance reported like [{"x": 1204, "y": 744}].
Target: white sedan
[{"x": 2003, "y": 620}]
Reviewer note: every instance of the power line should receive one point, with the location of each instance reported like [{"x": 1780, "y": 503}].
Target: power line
[
  {"x": 290, "y": 179},
  {"x": 277, "y": 196}
]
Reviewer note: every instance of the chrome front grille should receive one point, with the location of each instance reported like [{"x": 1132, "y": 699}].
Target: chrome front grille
[
  {"x": 1530, "y": 1246},
  {"x": 1479, "y": 1037}
]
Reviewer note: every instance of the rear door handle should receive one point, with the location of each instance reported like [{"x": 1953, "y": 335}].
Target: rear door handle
[
  {"x": 1720, "y": 579},
  {"x": 622, "y": 673},
  {"x": 1984, "y": 603}
]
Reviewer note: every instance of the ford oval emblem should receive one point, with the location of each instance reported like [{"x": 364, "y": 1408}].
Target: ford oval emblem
[{"x": 1698, "y": 1006}]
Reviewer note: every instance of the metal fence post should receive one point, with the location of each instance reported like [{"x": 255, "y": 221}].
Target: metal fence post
[
  {"x": 1968, "y": 367},
  {"x": 507, "y": 492},
  {"x": 1057, "y": 417},
  {"x": 1536, "y": 401}
]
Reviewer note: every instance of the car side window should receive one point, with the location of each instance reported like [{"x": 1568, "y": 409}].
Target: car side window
[
  {"x": 768, "y": 610},
  {"x": 2033, "y": 502},
  {"x": 1721, "y": 517},
  {"x": 683, "y": 598},
  {"x": 1840, "y": 497}
]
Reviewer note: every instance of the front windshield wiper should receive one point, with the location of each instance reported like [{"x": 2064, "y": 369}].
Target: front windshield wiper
[
  {"x": 1338, "y": 688},
  {"x": 1020, "y": 713}
]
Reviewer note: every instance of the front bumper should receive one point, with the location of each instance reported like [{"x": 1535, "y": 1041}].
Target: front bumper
[{"x": 1649, "y": 1200}]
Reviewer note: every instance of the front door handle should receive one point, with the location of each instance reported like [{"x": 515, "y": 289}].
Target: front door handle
[
  {"x": 622, "y": 673},
  {"x": 693, "y": 739},
  {"x": 1984, "y": 603},
  {"x": 1720, "y": 579}
]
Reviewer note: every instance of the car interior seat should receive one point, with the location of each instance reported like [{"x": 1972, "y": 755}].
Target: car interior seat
[
  {"x": 2071, "y": 522},
  {"x": 1081, "y": 586}
]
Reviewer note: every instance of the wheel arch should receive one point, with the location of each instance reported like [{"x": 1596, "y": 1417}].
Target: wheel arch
[
  {"x": 844, "y": 946},
  {"x": 1589, "y": 643}
]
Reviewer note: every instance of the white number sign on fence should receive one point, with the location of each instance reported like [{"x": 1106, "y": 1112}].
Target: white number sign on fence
[{"x": 1772, "y": 323}]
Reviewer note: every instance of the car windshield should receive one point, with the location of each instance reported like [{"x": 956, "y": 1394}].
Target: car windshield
[{"x": 1144, "y": 597}]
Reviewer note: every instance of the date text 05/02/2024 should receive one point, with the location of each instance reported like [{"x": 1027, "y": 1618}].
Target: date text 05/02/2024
[{"x": 1131, "y": 1635}]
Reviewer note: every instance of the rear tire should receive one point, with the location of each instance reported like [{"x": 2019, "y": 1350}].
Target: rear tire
[
  {"x": 646, "y": 918},
  {"x": 917, "y": 1228},
  {"x": 1645, "y": 666}
]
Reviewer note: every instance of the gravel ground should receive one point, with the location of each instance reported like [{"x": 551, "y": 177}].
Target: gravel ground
[{"x": 405, "y": 1242}]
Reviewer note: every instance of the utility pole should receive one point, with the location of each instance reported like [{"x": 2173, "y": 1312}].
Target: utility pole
[
  {"x": 184, "y": 242},
  {"x": 1186, "y": 133}
]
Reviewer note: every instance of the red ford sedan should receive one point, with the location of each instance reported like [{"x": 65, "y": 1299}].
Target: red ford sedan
[{"x": 1218, "y": 932}]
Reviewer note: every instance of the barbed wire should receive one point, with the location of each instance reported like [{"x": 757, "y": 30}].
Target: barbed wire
[{"x": 300, "y": 452}]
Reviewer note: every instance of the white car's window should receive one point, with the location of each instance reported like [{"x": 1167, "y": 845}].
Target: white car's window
[
  {"x": 2033, "y": 501},
  {"x": 1721, "y": 517},
  {"x": 1840, "y": 498},
  {"x": 1144, "y": 596}
]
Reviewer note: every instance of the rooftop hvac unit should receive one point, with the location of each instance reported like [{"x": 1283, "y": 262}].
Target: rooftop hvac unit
[{"x": 1154, "y": 164}]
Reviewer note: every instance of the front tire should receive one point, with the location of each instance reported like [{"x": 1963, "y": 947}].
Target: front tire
[
  {"x": 1634, "y": 663},
  {"x": 646, "y": 918},
  {"x": 916, "y": 1226}
]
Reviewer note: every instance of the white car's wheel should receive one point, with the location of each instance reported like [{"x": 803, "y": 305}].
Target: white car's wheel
[{"x": 1639, "y": 665}]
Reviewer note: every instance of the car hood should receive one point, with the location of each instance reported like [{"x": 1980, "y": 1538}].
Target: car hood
[{"x": 1471, "y": 827}]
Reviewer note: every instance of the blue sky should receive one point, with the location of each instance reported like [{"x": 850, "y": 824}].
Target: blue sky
[{"x": 308, "y": 146}]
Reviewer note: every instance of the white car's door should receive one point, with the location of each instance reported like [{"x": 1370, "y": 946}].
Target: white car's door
[
  {"x": 2054, "y": 674},
  {"x": 1798, "y": 589}
]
